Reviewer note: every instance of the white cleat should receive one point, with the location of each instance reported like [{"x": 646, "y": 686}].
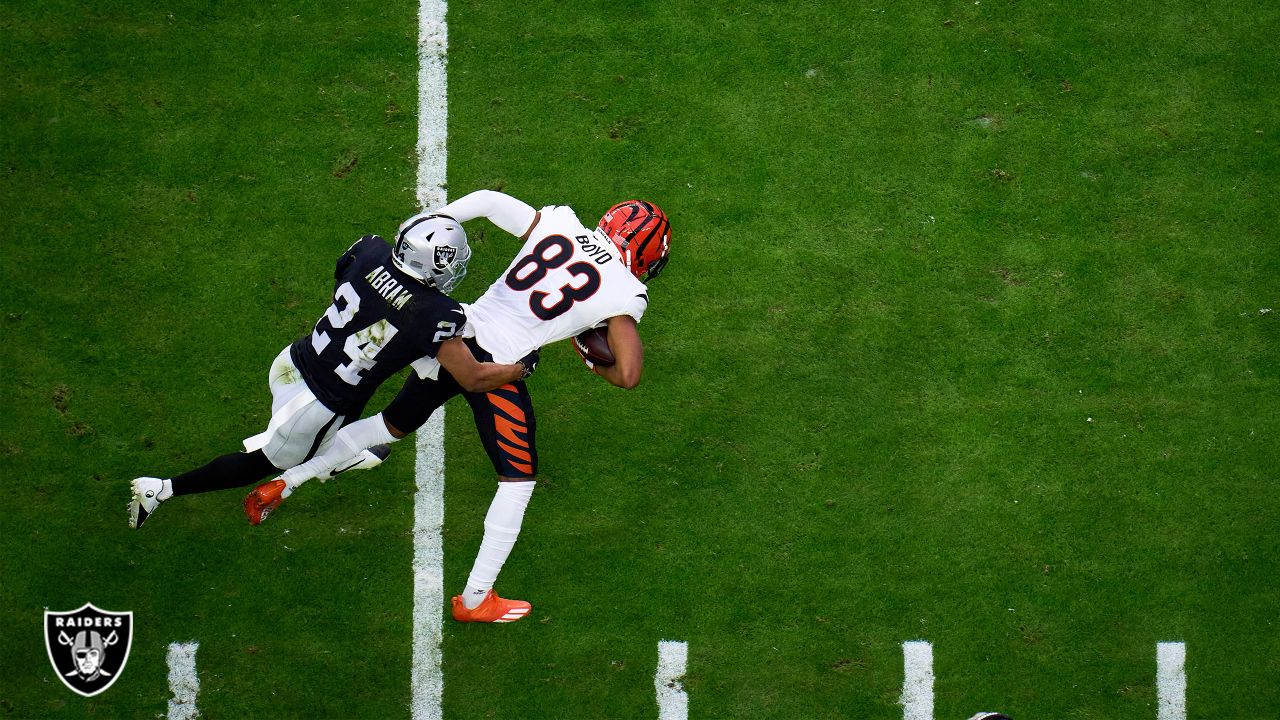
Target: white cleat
[
  {"x": 145, "y": 500},
  {"x": 366, "y": 460}
]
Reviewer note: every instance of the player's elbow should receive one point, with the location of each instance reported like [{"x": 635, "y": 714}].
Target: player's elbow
[
  {"x": 628, "y": 369},
  {"x": 628, "y": 379}
]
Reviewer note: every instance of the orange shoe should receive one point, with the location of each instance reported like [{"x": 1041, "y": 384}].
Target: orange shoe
[
  {"x": 492, "y": 609},
  {"x": 264, "y": 498}
]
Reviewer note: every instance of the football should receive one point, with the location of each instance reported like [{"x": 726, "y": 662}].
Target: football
[{"x": 593, "y": 345}]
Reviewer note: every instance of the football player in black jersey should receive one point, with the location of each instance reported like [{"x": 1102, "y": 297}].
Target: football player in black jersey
[{"x": 390, "y": 309}]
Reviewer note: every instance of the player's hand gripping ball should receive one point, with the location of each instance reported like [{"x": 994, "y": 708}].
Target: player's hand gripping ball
[{"x": 593, "y": 346}]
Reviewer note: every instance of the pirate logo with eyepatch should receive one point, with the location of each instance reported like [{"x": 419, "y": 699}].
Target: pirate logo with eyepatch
[
  {"x": 444, "y": 256},
  {"x": 88, "y": 646}
]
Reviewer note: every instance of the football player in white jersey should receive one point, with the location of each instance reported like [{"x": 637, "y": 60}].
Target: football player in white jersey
[{"x": 565, "y": 280}]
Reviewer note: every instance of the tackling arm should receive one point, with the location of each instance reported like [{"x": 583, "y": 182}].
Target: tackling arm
[
  {"x": 628, "y": 353},
  {"x": 472, "y": 375},
  {"x": 508, "y": 213}
]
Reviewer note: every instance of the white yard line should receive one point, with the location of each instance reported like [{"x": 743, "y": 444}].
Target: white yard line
[
  {"x": 917, "y": 683},
  {"x": 433, "y": 112},
  {"x": 183, "y": 681},
  {"x": 1171, "y": 680},
  {"x": 427, "y": 686},
  {"x": 673, "y": 659},
  {"x": 427, "y": 682}
]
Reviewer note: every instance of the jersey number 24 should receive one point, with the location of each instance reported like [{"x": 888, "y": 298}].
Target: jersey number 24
[{"x": 362, "y": 346}]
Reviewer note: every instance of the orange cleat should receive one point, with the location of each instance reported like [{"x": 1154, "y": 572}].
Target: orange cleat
[
  {"x": 492, "y": 609},
  {"x": 264, "y": 498}
]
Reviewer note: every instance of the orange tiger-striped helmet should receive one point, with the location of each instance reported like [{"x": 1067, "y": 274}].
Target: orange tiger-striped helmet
[{"x": 643, "y": 235}]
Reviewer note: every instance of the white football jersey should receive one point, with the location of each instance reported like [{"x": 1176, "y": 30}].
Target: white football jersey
[{"x": 565, "y": 280}]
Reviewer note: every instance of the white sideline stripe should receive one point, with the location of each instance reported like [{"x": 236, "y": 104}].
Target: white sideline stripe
[
  {"x": 426, "y": 686},
  {"x": 183, "y": 681},
  {"x": 673, "y": 657},
  {"x": 917, "y": 683},
  {"x": 427, "y": 683},
  {"x": 433, "y": 113},
  {"x": 1171, "y": 680}
]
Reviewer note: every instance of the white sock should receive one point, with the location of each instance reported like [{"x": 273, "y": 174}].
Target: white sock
[
  {"x": 346, "y": 445},
  {"x": 166, "y": 490},
  {"x": 501, "y": 528}
]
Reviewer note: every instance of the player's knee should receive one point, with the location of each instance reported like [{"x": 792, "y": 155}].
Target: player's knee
[
  {"x": 284, "y": 455},
  {"x": 396, "y": 432}
]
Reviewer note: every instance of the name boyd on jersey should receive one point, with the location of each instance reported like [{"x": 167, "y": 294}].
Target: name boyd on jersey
[{"x": 596, "y": 252}]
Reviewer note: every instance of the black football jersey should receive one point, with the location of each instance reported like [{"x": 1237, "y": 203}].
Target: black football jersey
[{"x": 381, "y": 320}]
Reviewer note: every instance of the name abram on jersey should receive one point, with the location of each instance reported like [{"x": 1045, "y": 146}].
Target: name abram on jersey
[{"x": 382, "y": 282}]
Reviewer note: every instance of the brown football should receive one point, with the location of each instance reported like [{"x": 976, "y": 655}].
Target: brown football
[{"x": 594, "y": 346}]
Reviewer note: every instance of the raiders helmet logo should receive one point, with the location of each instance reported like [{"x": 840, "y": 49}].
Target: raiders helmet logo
[
  {"x": 88, "y": 647},
  {"x": 445, "y": 255}
]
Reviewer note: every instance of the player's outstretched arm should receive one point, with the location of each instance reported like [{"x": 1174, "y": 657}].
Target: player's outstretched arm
[
  {"x": 473, "y": 375},
  {"x": 628, "y": 353},
  {"x": 508, "y": 213}
]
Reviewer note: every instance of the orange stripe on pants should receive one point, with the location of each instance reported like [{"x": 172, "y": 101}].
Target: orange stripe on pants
[
  {"x": 512, "y": 409},
  {"x": 508, "y": 430},
  {"x": 515, "y": 452}
]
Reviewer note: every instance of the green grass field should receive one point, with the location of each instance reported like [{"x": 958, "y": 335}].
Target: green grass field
[{"x": 967, "y": 337}]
